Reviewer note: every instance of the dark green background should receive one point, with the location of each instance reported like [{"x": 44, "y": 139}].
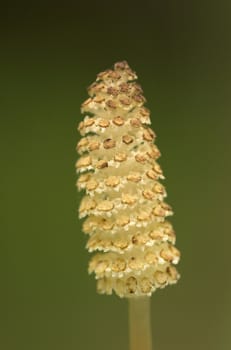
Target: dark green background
[{"x": 51, "y": 52}]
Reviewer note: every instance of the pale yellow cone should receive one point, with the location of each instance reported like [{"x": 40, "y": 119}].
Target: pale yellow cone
[{"x": 124, "y": 201}]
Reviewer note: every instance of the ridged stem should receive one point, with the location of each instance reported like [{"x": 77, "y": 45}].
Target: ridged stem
[{"x": 140, "y": 323}]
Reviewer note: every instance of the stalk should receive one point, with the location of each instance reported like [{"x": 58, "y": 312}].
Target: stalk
[{"x": 140, "y": 323}]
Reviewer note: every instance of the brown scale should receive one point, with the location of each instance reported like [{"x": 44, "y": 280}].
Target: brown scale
[
  {"x": 81, "y": 126},
  {"x": 105, "y": 244},
  {"x": 158, "y": 188},
  {"x": 120, "y": 243},
  {"x": 135, "y": 122},
  {"x": 125, "y": 101},
  {"x": 107, "y": 225},
  {"x": 108, "y": 74},
  {"x": 98, "y": 99},
  {"x": 137, "y": 88},
  {"x": 105, "y": 205},
  {"x": 93, "y": 145},
  {"x": 101, "y": 164},
  {"x": 83, "y": 178},
  {"x": 82, "y": 144},
  {"x": 85, "y": 103},
  {"x": 139, "y": 99},
  {"x": 114, "y": 75},
  {"x": 146, "y": 285},
  {"x": 172, "y": 272},
  {"x": 160, "y": 211},
  {"x": 148, "y": 135},
  {"x": 128, "y": 199},
  {"x": 157, "y": 169},
  {"x": 93, "y": 224},
  {"x": 89, "y": 122},
  {"x": 161, "y": 277},
  {"x": 141, "y": 158},
  {"x": 112, "y": 91},
  {"x": 131, "y": 284},
  {"x": 144, "y": 111},
  {"x": 83, "y": 162},
  {"x": 109, "y": 143},
  {"x": 122, "y": 220},
  {"x": 112, "y": 181},
  {"x": 92, "y": 243},
  {"x": 153, "y": 153},
  {"x": 87, "y": 204},
  {"x": 140, "y": 239},
  {"x": 95, "y": 88},
  {"x": 135, "y": 263},
  {"x": 125, "y": 88},
  {"x": 151, "y": 258},
  {"x": 101, "y": 266},
  {"x": 171, "y": 236},
  {"x": 156, "y": 235},
  {"x": 120, "y": 157},
  {"x": 111, "y": 104},
  {"x": 92, "y": 185},
  {"x": 148, "y": 194},
  {"x": 103, "y": 123},
  {"x": 118, "y": 121},
  {"x": 127, "y": 139},
  {"x": 170, "y": 253},
  {"x": 118, "y": 265},
  {"x": 135, "y": 177},
  {"x": 151, "y": 174},
  {"x": 144, "y": 216},
  {"x": 121, "y": 66}
]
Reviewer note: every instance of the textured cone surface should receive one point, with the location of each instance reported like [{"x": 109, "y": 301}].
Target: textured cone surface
[{"x": 124, "y": 209}]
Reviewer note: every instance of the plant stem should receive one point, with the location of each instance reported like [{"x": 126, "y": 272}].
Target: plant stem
[{"x": 140, "y": 323}]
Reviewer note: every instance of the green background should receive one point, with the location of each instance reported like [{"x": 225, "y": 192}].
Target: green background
[{"x": 181, "y": 52}]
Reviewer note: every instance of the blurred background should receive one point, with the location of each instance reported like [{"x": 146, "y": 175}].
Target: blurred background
[{"x": 181, "y": 51}]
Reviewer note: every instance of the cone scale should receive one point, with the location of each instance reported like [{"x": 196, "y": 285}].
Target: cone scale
[{"x": 132, "y": 242}]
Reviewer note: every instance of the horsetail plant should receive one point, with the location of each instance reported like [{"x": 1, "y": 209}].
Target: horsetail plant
[{"x": 124, "y": 200}]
